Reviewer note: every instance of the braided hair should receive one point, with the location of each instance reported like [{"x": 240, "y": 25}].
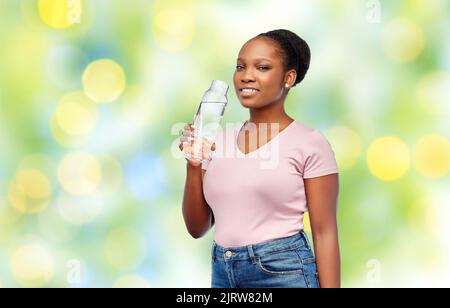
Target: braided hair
[{"x": 294, "y": 51}]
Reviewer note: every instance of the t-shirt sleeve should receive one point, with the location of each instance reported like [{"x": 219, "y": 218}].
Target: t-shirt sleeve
[{"x": 320, "y": 158}]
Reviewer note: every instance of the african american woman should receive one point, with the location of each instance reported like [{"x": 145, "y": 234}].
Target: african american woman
[{"x": 255, "y": 184}]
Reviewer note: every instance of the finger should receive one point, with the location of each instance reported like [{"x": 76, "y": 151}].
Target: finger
[
  {"x": 206, "y": 146},
  {"x": 185, "y": 146},
  {"x": 189, "y": 133},
  {"x": 190, "y": 140},
  {"x": 206, "y": 155},
  {"x": 187, "y": 149},
  {"x": 190, "y": 127},
  {"x": 193, "y": 149},
  {"x": 205, "y": 141},
  {"x": 187, "y": 130},
  {"x": 182, "y": 146},
  {"x": 186, "y": 139}
]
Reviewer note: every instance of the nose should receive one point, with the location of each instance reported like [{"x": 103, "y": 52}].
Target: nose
[{"x": 247, "y": 77}]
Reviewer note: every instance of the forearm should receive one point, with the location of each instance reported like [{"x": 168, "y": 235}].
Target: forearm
[
  {"x": 196, "y": 212},
  {"x": 326, "y": 247}
]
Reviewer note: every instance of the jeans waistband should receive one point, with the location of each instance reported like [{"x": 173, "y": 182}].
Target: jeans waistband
[{"x": 250, "y": 251}]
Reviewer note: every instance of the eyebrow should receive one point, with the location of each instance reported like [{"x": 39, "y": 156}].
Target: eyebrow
[{"x": 258, "y": 59}]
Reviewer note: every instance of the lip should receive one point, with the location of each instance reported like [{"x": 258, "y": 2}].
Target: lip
[{"x": 248, "y": 94}]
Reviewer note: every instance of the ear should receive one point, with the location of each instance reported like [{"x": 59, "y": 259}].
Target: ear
[{"x": 290, "y": 77}]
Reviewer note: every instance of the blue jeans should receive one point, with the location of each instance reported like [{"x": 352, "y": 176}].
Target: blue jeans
[{"x": 282, "y": 263}]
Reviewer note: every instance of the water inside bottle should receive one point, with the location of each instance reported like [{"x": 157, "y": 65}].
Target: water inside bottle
[
  {"x": 209, "y": 115},
  {"x": 208, "y": 118}
]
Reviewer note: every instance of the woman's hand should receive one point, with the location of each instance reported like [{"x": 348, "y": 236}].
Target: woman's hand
[{"x": 193, "y": 151}]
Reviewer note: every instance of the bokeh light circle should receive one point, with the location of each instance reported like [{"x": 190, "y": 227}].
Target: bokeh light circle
[
  {"x": 346, "y": 145},
  {"x": 431, "y": 155},
  {"x": 403, "y": 40},
  {"x": 388, "y": 158},
  {"x": 76, "y": 114},
  {"x": 30, "y": 192},
  {"x": 34, "y": 183},
  {"x": 61, "y": 14},
  {"x": 173, "y": 28},
  {"x": 104, "y": 81},
  {"x": 32, "y": 265},
  {"x": 79, "y": 173},
  {"x": 80, "y": 210},
  {"x": 433, "y": 92}
]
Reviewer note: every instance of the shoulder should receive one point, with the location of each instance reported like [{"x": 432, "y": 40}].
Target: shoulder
[
  {"x": 303, "y": 129},
  {"x": 306, "y": 136},
  {"x": 315, "y": 153}
]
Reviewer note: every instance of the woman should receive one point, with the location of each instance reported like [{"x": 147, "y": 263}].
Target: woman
[{"x": 258, "y": 209}]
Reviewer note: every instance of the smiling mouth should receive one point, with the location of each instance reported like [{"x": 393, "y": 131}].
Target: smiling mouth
[{"x": 248, "y": 92}]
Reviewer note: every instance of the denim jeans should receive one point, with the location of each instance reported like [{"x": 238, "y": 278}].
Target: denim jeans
[{"x": 282, "y": 263}]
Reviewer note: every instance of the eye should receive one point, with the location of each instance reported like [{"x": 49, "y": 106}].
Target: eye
[
  {"x": 265, "y": 68},
  {"x": 238, "y": 67}
]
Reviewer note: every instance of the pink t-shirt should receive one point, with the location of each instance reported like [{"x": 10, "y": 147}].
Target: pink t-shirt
[{"x": 260, "y": 196}]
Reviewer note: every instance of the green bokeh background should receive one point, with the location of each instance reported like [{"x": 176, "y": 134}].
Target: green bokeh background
[{"x": 370, "y": 77}]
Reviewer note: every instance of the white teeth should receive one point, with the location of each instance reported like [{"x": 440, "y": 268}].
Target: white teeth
[{"x": 249, "y": 90}]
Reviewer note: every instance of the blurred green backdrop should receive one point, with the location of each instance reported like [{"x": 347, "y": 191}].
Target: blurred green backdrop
[{"x": 92, "y": 94}]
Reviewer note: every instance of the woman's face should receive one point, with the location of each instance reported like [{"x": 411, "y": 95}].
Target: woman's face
[{"x": 259, "y": 79}]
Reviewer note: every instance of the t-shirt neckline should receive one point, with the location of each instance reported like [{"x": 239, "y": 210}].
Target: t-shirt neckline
[{"x": 265, "y": 144}]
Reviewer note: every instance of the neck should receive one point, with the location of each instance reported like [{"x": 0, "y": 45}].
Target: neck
[{"x": 273, "y": 113}]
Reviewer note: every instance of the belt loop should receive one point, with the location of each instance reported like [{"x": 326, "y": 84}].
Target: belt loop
[
  {"x": 213, "y": 251},
  {"x": 252, "y": 254}
]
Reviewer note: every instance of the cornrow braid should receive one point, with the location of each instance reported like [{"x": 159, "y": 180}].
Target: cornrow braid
[{"x": 295, "y": 51}]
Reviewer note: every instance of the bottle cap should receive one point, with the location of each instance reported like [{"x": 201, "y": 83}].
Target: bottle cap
[
  {"x": 217, "y": 93},
  {"x": 220, "y": 86}
]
